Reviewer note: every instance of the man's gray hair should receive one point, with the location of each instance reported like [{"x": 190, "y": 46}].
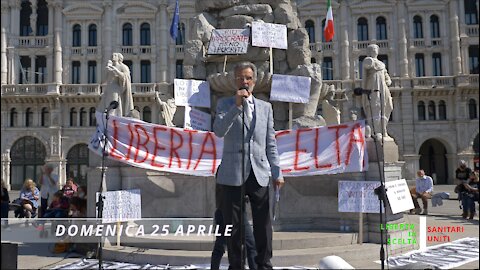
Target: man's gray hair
[{"x": 245, "y": 65}]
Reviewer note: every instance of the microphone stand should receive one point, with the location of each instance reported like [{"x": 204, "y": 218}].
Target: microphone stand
[
  {"x": 100, "y": 190},
  {"x": 242, "y": 192},
  {"x": 379, "y": 191}
]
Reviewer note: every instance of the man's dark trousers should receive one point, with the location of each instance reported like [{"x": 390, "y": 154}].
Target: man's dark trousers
[{"x": 262, "y": 224}]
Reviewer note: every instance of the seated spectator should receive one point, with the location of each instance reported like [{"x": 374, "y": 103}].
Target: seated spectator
[
  {"x": 423, "y": 189},
  {"x": 78, "y": 207},
  {"x": 58, "y": 208},
  {"x": 5, "y": 205},
  {"x": 470, "y": 195},
  {"x": 28, "y": 201},
  {"x": 70, "y": 188}
]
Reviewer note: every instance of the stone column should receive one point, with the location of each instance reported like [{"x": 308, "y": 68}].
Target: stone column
[
  {"x": 402, "y": 44},
  {"x": 344, "y": 43},
  {"x": 14, "y": 19},
  {"x": 163, "y": 41},
  {"x": 6, "y": 169},
  {"x": 3, "y": 42},
  {"x": 33, "y": 64},
  {"x": 33, "y": 18},
  {"x": 58, "y": 43},
  {"x": 455, "y": 39},
  {"x": 107, "y": 35}
]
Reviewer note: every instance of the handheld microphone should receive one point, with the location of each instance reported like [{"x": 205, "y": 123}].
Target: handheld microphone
[
  {"x": 360, "y": 91},
  {"x": 113, "y": 105}
]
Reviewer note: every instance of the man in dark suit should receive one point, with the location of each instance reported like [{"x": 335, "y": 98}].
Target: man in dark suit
[{"x": 260, "y": 147}]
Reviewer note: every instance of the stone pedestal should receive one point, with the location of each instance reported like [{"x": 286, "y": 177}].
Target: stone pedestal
[{"x": 388, "y": 152}]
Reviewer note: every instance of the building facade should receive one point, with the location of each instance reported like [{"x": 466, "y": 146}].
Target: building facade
[{"x": 53, "y": 54}]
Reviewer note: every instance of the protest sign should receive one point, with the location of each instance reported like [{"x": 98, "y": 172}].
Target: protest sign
[
  {"x": 269, "y": 35},
  {"x": 399, "y": 196},
  {"x": 192, "y": 93},
  {"x": 358, "y": 197},
  {"x": 289, "y": 88},
  {"x": 229, "y": 41},
  {"x": 309, "y": 151},
  {"x": 121, "y": 205},
  {"x": 196, "y": 119}
]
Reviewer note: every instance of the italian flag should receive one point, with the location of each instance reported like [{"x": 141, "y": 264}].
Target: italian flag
[{"x": 329, "y": 31}]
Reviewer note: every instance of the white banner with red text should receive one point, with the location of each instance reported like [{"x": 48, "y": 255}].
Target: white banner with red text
[{"x": 309, "y": 151}]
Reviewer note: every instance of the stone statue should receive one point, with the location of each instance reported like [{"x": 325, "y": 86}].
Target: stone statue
[
  {"x": 118, "y": 88},
  {"x": 330, "y": 113},
  {"x": 376, "y": 78},
  {"x": 168, "y": 110}
]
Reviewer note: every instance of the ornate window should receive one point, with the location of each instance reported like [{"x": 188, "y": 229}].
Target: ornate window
[
  {"x": 417, "y": 27},
  {"x": 73, "y": 117},
  {"x": 13, "y": 117},
  {"x": 25, "y": 12},
  {"x": 442, "y": 110},
  {"x": 421, "y": 110},
  {"x": 76, "y": 36},
  {"x": 362, "y": 29},
  {"x": 419, "y": 65},
  {"x": 145, "y": 71},
  {"x": 24, "y": 73},
  {"x": 83, "y": 117},
  {"x": 42, "y": 18},
  {"x": 76, "y": 72},
  {"x": 434, "y": 26},
  {"x": 473, "y": 59},
  {"x": 40, "y": 69},
  {"x": 91, "y": 117},
  {"x": 92, "y": 71},
  {"x": 437, "y": 64},
  {"x": 147, "y": 114},
  {"x": 384, "y": 59},
  {"x": 471, "y": 12},
  {"x": 381, "y": 28},
  {"x": 127, "y": 34},
  {"x": 179, "y": 69},
  {"x": 432, "y": 115},
  {"x": 29, "y": 117},
  {"x": 77, "y": 164},
  {"x": 472, "y": 109},
  {"x": 92, "y": 35},
  {"x": 28, "y": 155},
  {"x": 129, "y": 64},
  {"x": 145, "y": 34},
  {"x": 310, "y": 27},
  {"x": 327, "y": 68},
  {"x": 45, "y": 117}
]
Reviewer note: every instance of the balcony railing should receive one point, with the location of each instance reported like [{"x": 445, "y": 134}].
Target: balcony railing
[
  {"x": 76, "y": 51},
  {"x": 33, "y": 41},
  {"x": 24, "y": 89},
  {"x": 179, "y": 48},
  {"x": 471, "y": 30},
  {"x": 127, "y": 50},
  {"x": 79, "y": 89},
  {"x": 145, "y": 49},
  {"x": 417, "y": 43},
  {"x": 473, "y": 79},
  {"x": 382, "y": 44},
  {"x": 92, "y": 50},
  {"x": 322, "y": 46},
  {"x": 361, "y": 45},
  {"x": 143, "y": 87},
  {"x": 436, "y": 42},
  {"x": 433, "y": 82}
]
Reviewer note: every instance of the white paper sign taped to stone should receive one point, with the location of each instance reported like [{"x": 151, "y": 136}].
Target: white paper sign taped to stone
[
  {"x": 269, "y": 35},
  {"x": 399, "y": 196},
  {"x": 358, "y": 197},
  {"x": 229, "y": 41},
  {"x": 121, "y": 205},
  {"x": 192, "y": 93},
  {"x": 197, "y": 120},
  {"x": 290, "y": 88}
]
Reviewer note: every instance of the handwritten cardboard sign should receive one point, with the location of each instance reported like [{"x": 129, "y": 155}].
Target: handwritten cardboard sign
[
  {"x": 229, "y": 41},
  {"x": 196, "y": 119},
  {"x": 290, "y": 88},
  {"x": 269, "y": 35},
  {"x": 358, "y": 197},
  {"x": 121, "y": 205},
  {"x": 399, "y": 196},
  {"x": 192, "y": 93}
]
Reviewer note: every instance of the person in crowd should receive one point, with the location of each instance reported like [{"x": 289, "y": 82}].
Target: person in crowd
[
  {"x": 5, "y": 205},
  {"x": 461, "y": 175},
  {"x": 78, "y": 207},
  {"x": 260, "y": 150},
  {"x": 70, "y": 188},
  {"x": 28, "y": 200},
  {"x": 220, "y": 241},
  {"x": 58, "y": 208},
  {"x": 81, "y": 192},
  {"x": 470, "y": 195},
  {"x": 423, "y": 190},
  {"x": 48, "y": 186}
]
